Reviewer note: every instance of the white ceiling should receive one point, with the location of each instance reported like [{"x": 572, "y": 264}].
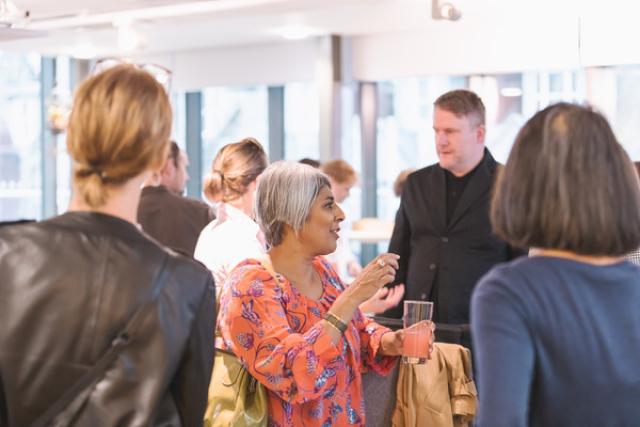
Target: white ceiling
[
  {"x": 84, "y": 27},
  {"x": 43, "y": 9}
]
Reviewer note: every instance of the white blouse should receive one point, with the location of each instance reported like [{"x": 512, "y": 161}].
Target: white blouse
[{"x": 228, "y": 240}]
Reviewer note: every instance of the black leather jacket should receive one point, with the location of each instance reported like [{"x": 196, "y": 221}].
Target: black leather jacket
[{"x": 68, "y": 285}]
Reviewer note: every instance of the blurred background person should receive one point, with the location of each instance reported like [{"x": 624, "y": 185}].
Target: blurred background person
[
  {"x": 398, "y": 184},
  {"x": 311, "y": 162},
  {"x": 231, "y": 184},
  {"x": 342, "y": 177},
  {"x": 167, "y": 216},
  {"x": 297, "y": 329},
  {"x": 90, "y": 269},
  {"x": 557, "y": 334}
]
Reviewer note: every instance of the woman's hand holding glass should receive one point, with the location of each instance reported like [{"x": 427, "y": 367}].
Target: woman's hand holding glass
[{"x": 393, "y": 343}]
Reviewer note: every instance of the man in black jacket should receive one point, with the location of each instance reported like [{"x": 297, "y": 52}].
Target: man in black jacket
[
  {"x": 442, "y": 231},
  {"x": 167, "y": 216}
]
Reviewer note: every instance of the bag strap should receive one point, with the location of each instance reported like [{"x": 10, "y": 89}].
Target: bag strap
[
  {"x": 266, "y": 263},
  {"x": 61, "y": 413}
]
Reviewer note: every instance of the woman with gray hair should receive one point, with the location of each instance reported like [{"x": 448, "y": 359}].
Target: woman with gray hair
[{"x": 289, "y": 318}]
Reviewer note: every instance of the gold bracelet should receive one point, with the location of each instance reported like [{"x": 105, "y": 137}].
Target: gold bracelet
[
  {"x": 333, "y": 326},
  {"x": 336, "y": 322}
]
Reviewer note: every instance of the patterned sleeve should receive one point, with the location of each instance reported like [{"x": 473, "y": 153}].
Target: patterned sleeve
[
  {"x": 370, "y": 337},
  {"x": 369, "y": 331},
  {"x": 255, "y": 326}
]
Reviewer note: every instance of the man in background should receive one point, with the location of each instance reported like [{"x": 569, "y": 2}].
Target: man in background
[
  {"x": 167, "y": 216},
  {"x": 442, "y": 231}
]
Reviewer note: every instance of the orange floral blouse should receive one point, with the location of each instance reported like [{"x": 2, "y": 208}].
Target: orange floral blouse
[{"x": 274, "y": 331}]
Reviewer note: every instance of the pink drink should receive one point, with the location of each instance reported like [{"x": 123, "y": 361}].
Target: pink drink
[
  {"x": 417, "y": 331},
  {"x": 416, "y": 341}
]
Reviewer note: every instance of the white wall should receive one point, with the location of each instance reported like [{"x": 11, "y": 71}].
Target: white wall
[
  {"x": 271, "y": 64},
  {"x": 548, "y": 37},
  {"x": 451, "y": 49}
]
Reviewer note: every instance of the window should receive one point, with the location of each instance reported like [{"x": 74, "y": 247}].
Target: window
[
  {"x": 20, "y": 115},
  {"x": 301, "y": 117},
  {"x": 351, "y": 152},
  {"x": 230, "y": 114},
  {"x": 405, "y": 134},
  {"x": 614, "y": 92},
  {"x": 179, "y": 126}
]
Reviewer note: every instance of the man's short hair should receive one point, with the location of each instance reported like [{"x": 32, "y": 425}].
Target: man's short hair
[
  {"x": 311, "y": 162},
  {"x": 569, "y": 185},
  {"x": 286, "y": 191},
  {"x": 340, "y": 171},
  {"x": 174, "y": 153},
  {"x": 462, "y": 103}
]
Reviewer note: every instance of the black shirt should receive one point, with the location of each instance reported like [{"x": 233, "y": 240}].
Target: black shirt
[{"x": 455, "y": 188}]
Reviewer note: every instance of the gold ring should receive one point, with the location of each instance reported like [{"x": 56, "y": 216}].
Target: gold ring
[{"x": 381, "y": 263}]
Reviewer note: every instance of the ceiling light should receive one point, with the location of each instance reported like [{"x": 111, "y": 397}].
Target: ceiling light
[
  {"x": 170, "y": 11},
  {"x": 10, "y": 15},
  {"x": 294, "y": 32},
  {"x": 446, "y": 11}
]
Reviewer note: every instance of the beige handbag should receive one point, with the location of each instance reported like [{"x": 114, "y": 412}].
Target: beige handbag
[{"x": 235, "y": 397}]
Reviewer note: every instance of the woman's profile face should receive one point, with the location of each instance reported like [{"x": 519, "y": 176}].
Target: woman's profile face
[{"x": 320, "y": 233}]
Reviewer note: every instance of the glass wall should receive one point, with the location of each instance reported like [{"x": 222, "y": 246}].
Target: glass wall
[
  {"x": 615, "y": 92},
  {"x": 404, "y": 126},
  {"x": 301, "y": 118},
  {"x": 405, "y": 134},
  {"x": 179, "y": 126},
  {"x": 20, "y": 116},
  {"x": 230, "y": 114},
  {"x": 352, "y": 151},
  {"x": 62, "y": 92}
]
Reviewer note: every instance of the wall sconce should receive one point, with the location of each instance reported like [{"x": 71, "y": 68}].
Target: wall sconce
[
  {"x": 446, "y": 11},
  {"x": 58, "y": 106}
]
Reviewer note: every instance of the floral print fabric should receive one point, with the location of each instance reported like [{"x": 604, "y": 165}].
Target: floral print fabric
[{"x": 274, "y": 331}]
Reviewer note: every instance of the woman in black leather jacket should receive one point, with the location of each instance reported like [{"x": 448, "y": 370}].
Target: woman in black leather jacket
[{"x": 71, "y": 284}]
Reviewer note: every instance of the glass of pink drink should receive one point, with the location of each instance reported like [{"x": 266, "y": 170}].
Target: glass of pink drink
[{"x": 417, "y": 331}]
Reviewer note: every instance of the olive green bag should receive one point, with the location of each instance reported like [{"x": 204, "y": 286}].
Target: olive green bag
[{"x": 235, "y": 397}]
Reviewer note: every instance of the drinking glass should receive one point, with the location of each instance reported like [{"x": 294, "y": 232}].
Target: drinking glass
[{"x": 417, "y": 331}]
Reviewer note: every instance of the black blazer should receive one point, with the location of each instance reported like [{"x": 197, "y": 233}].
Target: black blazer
[
  {"x": 455, "y": 255},
  {"x": 173, "y": 220}
]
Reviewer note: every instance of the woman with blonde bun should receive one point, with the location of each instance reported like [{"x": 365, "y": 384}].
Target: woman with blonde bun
[
  {"x": 88, "y": 284},
  {"x": 234, "y": 235}
]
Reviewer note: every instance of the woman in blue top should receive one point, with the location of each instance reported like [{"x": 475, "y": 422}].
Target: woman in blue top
[{"x": 557, "y": 335}]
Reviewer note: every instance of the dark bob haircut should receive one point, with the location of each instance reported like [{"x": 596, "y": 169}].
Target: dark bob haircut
[{"x": 569, "y": 185}]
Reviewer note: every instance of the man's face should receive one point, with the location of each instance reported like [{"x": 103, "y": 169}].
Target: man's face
[
  {"x": 175, "y": 177},
  {"x": 459, "y": 141},
  {"x": 182, "y": 176}
]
